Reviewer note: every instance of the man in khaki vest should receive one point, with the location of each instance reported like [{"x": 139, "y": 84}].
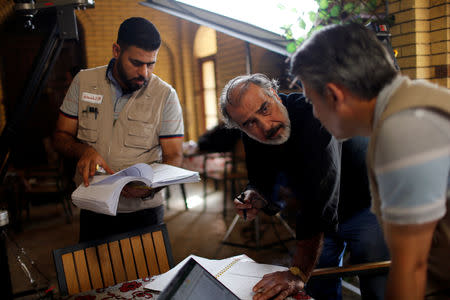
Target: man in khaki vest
[
  {"x": 118, "y": 115},
  {"x": 355, "y": 89}
]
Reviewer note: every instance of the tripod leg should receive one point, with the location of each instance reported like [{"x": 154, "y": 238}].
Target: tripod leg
[
  {"x": 236, "y": 218},
  {"x": 286, "y": 225},
  {"x": 257, "y": 231}
]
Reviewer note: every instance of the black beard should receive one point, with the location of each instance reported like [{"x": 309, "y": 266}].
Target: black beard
[{"x": 131, "y": 87}]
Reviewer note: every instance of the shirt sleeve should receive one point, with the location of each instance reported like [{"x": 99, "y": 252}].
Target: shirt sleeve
[
  {"x": 412, "y": 164},
  {"x": 318, "y": 190},
  {"x": 172, "y": 119},
  {"x": 69, "y": 106}
]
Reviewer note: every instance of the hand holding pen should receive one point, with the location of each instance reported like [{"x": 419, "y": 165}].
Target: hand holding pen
[
  {"x": 248, "y": 203},
  {"x": 241, "y": 198}
]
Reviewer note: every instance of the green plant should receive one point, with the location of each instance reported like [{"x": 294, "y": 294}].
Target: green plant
[{"x": 331, "y": 12}]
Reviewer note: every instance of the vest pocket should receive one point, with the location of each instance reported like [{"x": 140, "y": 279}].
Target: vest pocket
[
  {"x": 141, "y": 111},
  {"x": 140, "y": 135},
  {"x": 87, "y": 130}
]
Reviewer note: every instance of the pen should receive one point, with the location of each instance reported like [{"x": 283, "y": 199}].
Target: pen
[
  {"x": 241, "y": 198},
  {"x": 99, "y": 169}
]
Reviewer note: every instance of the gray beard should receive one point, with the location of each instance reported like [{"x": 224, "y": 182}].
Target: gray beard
[{"x": 281, "y": 139}]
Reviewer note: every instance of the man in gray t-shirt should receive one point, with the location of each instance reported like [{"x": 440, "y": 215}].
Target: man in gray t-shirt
[
  {"x": 355, "y": 90},
  {"x": 118, "y": 115}
]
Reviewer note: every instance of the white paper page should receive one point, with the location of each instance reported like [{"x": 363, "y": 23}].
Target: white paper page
[
  {"x": 166, "y": 174},
  {"x": 137, "y": 170},
  {"x": 213, "y": 266},
  {"x": 243, "y": 275},
  {"x": 102, "y": 198}
]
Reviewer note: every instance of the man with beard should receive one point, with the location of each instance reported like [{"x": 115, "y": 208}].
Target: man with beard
[
  {"x": 290, "y": 155},
  {"x": 118, "y": 115}
]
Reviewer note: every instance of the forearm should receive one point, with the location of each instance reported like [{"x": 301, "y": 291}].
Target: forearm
[
  {"x": 173, "y": 159},
  {"x": 409, "y": 246},
  {"x": 67, "y": 145},
  {"x": 307, "y": 253},
  {"x": 406, "y": 283}
]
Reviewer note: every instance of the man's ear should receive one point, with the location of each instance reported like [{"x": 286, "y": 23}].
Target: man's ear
[
  {"x": 116, "y": 50},
  {"x": 336, "y": 93}
]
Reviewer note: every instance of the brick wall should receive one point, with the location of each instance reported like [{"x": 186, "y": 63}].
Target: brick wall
[{"x": 421, "y": 35}]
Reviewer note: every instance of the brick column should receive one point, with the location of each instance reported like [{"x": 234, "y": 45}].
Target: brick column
[{"x": 421, "y": 36}]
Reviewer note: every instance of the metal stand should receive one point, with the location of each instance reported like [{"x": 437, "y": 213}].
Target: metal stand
[
  {"x": 257, "y": 246},
  {"x": 65, "y": 28},
  {"x": 5, "y": 278}
]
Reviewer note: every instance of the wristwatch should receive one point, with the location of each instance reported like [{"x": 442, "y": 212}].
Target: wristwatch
[{"x": 297, "y": 272}]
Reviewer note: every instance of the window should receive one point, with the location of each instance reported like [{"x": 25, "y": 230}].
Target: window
[{"x": 209, "y": 93}]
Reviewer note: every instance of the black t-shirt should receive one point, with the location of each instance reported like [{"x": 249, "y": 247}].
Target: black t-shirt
[
  {"x": 328, "y": 188},
  {"x": 308, "y": 164},
  {"x": 354, "y": 193}
]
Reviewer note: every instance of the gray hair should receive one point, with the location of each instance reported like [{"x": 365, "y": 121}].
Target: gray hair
[
  {"x": 241, "y": 84},
  {"x": 349, "y": 55}
]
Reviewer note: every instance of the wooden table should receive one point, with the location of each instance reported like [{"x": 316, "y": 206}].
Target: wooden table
[{"x": 135, "y": 290}]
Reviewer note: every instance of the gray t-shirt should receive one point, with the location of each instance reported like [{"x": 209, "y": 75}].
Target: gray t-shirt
[
  {"x": 412, "y": 162},
  {"x": 172, "y": 118}
]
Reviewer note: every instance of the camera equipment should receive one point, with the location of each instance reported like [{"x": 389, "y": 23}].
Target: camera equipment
[
  {"x": 22, "y": 259},
  {"x": 64, "y": 11},
  {"x": 384, "y": 36},
  {"x": 5, "y": 279},
  {"x": 64, "y": 27}
]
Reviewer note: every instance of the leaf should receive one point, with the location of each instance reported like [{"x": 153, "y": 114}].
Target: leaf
[
  {"x": 290, "y": 48},
  {"x": 335, "y": 10},
  {"x": 372, "y": 4},
  {"x": 349, "y": 7},
  {"x": 299, "y": 41},
  {"x": 312, "y": 16},
  {"x": 323, "y": 4},
  {"x": 324, "y": 15},
  {"x": 301, "y": 23}
]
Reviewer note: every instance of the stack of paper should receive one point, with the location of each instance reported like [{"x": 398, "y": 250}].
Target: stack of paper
[{"x": 103, "y": 193}]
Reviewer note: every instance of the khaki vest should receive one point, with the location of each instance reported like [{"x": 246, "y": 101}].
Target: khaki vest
[
  {"x": 414, "y": 95},
  {"x": 134, "y": 136}
]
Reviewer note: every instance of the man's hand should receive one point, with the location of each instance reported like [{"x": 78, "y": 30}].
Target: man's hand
[
  {"x": 278, "y": 285},
  {"x": 253, "y": 202},
  {"x": 88, "y": 162},
  {"x": 131, "y": 190}
]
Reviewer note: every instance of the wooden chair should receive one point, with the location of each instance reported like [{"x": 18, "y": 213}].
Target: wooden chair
[
  {"x": 119, "y": 258},
  {"x": 233, "y": 175}
]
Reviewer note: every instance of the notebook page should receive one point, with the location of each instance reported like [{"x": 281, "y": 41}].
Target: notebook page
[
  {"x": 242, "y": 276},
  {"x": 213, "y": 266}
]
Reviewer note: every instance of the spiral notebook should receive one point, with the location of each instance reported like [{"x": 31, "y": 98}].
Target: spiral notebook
[
  {"x": 193, "y": 282},
  {"x": 238, "y": 273}
]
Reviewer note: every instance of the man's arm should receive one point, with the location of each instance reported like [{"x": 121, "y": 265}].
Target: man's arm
[
  {"x": 65, "y": 142},
  {"x": 283, "y": 284},
  {"x": 409, "y": 246},
  {"x": 172, "y": 150}
]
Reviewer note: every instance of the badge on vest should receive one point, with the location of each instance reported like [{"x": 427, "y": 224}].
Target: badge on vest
[{"x": 92, "y": 98}]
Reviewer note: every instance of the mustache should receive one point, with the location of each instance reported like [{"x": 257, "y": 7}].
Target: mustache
[
  {"x": 273, "y": 131},
  {"x": 140, "y": 78}
]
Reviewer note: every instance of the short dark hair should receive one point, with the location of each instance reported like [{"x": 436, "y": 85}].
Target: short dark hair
[
  {"x": 138, "y": 32},
  {"x": 349, "y": 55}
]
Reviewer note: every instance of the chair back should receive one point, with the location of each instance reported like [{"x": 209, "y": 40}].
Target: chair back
[{"x": 119, "y": 258}]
